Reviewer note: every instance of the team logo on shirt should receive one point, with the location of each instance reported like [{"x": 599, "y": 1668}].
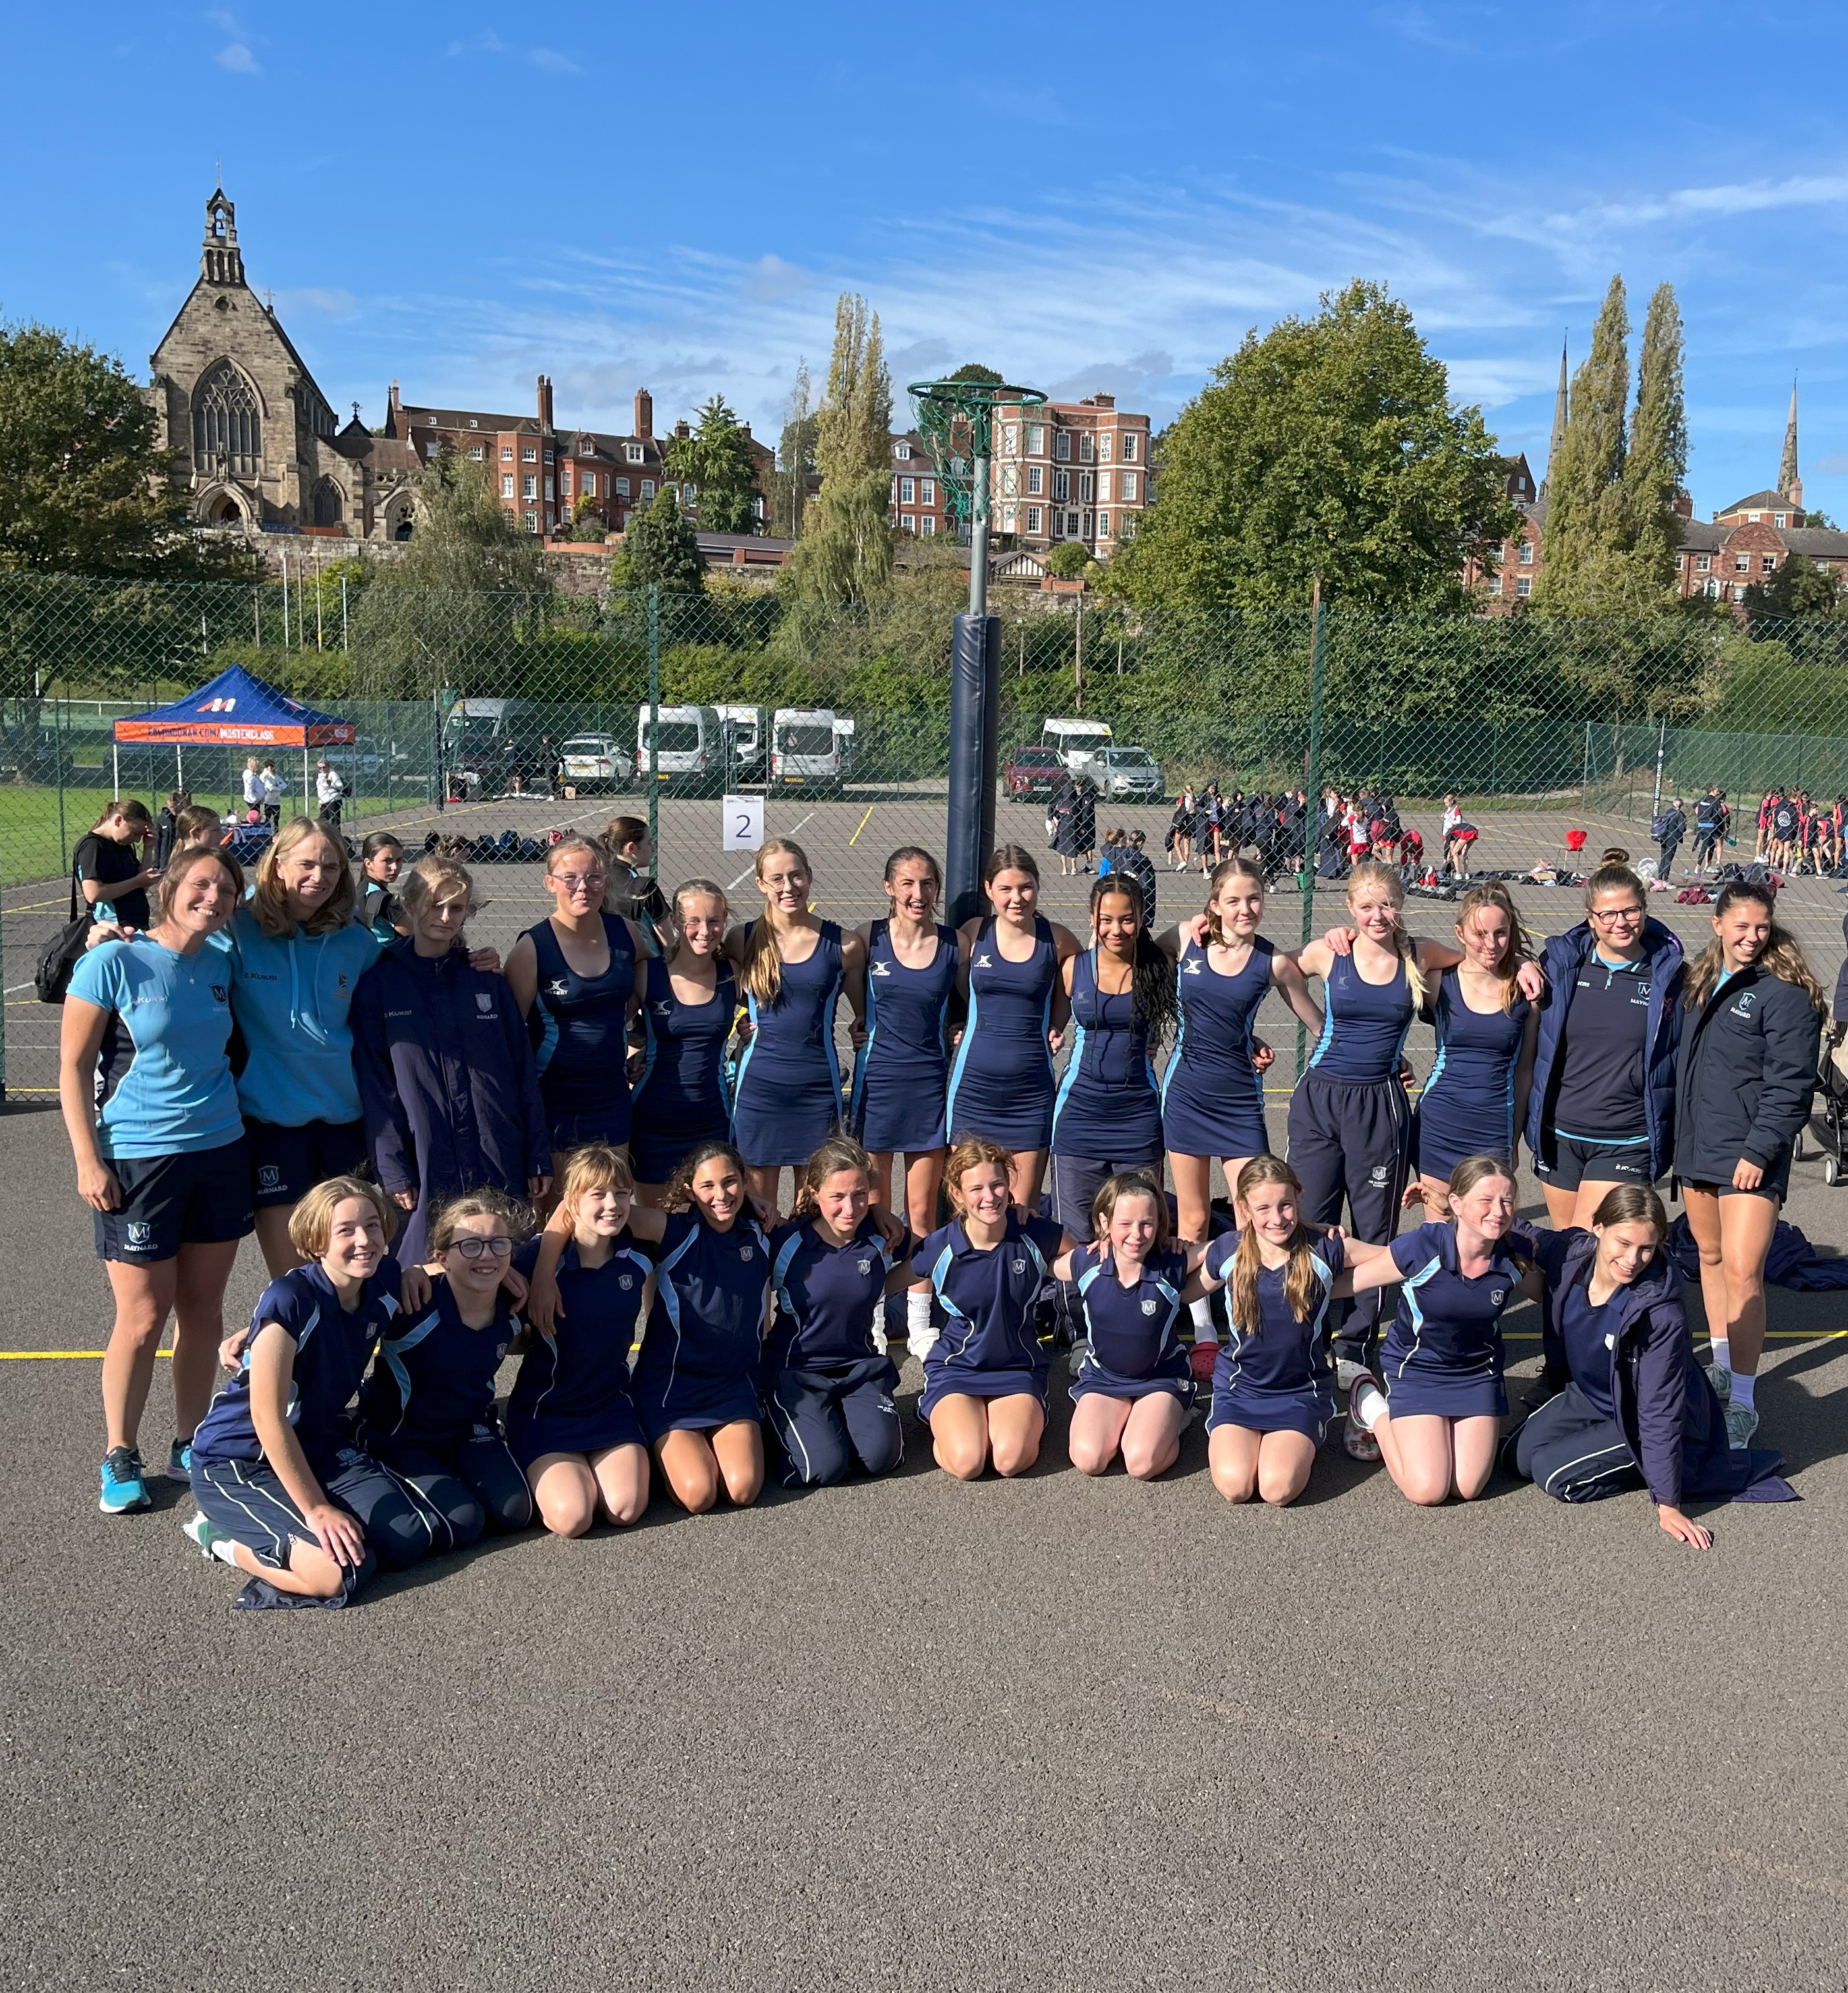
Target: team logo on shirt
[
  {"x": 865, "y": 1266},
  {"x": 1150, "y": 1305},
  {"x": 982, "y": 962},
  {"x": 625, "y": 1281},
  {"x": 484, "y": 1002},
  {"x": 1378, "y": 1176},
  {"x": 1497, "y": 1296},
  {"x": 340, "y": 981},
  {"x": 662, "y": 1010},
  {"x": 745, "y": 1252},
  {"x": 140, "y": 1233},
  {"x": 558, "y": 987},
  {"x": 1020, "y": 1265},
  {"x": 220, "y": 993},
  {"x": 1191, "y": 966},
  {"x": 1744, "y": 1007},
  {"x": 880, "y": 968},
  {"x": 269, "y": 1177}
]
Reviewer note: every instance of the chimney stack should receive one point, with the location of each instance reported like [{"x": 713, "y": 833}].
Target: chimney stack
[
  {"x": 545, "y": 404},
  {"x": 644, "y": 412}
]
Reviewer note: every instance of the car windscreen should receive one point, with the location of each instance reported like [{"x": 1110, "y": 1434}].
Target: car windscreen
[
  {"x": 674, "y": 737},
  {"x": 806, "y": 740}
]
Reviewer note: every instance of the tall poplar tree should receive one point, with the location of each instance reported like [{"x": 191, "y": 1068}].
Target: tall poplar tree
[
  {"x": 795, "y": 456},
  {"x": 845, "y": 554},
  {"x": 1585, "y": 522},
  {"x": 1657, "y": 464}
]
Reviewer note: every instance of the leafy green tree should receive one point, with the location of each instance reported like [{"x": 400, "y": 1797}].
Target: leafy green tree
[
  {"x": 1798, "y": 588},
  {"x": 1068, "y": 560},
  {"x": 661, "y": 549},
  {"x": 587, "y": 522},
  {"x": 1330, "y": 447},
  {"x": 715, "y": 459},
  {"x": 845, "y": 554},
  {"x": 86, "y": 486},
  {"x": 1657, "y": 464},
  {"x": 795, "y": 456},
  {"x": 973, "y": 370}
]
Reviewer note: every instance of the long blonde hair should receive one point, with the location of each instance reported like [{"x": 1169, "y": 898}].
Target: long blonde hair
[
  {"x": 1782, "y": 957},
  {"x": 762, "y": 973},
  {"x": 1495, "y": 894},
  {"x": 1371, "y": 872},
  {"x": 1302, "y": 1287},
  {"x": 269, "y": 903}
]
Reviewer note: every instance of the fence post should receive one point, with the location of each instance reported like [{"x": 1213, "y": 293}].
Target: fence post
[
  {"x": 1312, "y": 819},
  {"x": 975, "y": 730},
  {"x": 58, "y": 708},
  {"x": 654, "y": 726},
  {"x": 1661, "y": 743},
  {"x": 344, "y": 644}
]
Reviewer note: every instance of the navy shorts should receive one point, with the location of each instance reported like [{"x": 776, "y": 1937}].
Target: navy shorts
[
  {"x": 287, "y": 1163},
  {"x": 200, "y": 1197},
  {"x": 1576, "y": 1161},
  {"x": 246, "y": 1500}
]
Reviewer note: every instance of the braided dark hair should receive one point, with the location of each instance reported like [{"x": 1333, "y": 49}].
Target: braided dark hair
[{"x": 1151, "y": 973}]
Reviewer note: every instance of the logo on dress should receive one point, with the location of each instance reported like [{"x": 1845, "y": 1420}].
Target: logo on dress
[
  {"x": 1378, "y": 1176},
  {"x": 745, "y": 1252},
  {"x": 865, "y": 1266},
  {"x": 1020, "y": 1265},
  {"x": 982, "y": 962},
  {"x": 1191, "y": 966},
  {"x": 625, "y": 1281},
  {"x": 220, "y": 992},
  {"x": 662, "y": 1010},
  {"x": 269, "y": 1176},
  {"x": 1150, "y": 1305},
  {"x": 880, "y": 968},
  {"x": 484, "y": 1002},
  {"x": 1497, "y": 1296},
  {"x": 140, "y": 1232},
  {"x": 558, "y": 987}
]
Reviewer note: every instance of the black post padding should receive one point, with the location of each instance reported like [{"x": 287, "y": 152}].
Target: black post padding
[{"x": 975, "y": 735}]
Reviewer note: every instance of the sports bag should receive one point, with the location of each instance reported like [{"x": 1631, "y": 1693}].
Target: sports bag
[{"x": 58, "y": 958}]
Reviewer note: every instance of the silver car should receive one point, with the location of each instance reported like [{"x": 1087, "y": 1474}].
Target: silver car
[
  {"x": 1125, "y": 771},
  {"x": 595, "y": 761}
]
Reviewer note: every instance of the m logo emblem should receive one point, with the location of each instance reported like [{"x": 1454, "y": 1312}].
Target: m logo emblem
[
  {"x": 1020, "y": 1265},
  {"x": 484, "y": 1002},
  {"x": 140, "y": 1232},
  {"x": 1150, "y": 1305},
  {"x": 269, "y": 1176},
  {"x": 865, "y": 1266}
]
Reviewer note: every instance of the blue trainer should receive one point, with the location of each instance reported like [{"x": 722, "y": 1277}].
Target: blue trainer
[
  {"x": 123, "y": 1488},
  {"x": 179, "y": 1461}
]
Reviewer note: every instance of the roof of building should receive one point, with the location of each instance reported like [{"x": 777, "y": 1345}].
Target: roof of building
[
  {"x": 1815, "y": 542},
  {"x": 465, "y": 418},
  {"x": 1760, "y": 502}
]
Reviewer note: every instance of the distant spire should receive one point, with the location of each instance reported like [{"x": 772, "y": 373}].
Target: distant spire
[
  {"x": 1789, "y": 482},
  {"x": 1559, "y": 421}
]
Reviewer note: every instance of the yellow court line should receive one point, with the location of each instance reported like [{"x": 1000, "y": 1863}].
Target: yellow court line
[{"x": 855, "y": 838}]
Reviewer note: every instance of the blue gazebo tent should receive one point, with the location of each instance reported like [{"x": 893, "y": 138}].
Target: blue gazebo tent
[{"x": 234, "y": 710}]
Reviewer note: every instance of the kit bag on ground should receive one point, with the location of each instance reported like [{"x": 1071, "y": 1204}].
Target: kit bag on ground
[{"x": 59, "y": 959}]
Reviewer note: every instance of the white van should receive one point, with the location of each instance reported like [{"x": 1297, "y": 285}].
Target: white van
[
  {"x": 1075, "y": 741},
  {"x": 809, "y": 746},
  {"x": 687, "y": 750},
  {"x": 750, "y": 727}
]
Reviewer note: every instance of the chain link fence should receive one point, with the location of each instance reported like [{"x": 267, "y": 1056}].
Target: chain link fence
[{"x": 490, "y": 721}]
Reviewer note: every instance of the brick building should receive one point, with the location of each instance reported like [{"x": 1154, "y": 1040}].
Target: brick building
[
  {"x": 918, "y": 506},
  {"x": 1069, "y": 470}
]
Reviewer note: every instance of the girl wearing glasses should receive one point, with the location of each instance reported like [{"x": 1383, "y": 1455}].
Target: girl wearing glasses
[
  {"x": 1601, "y": 1108},
  {"x": 426, "y": 1409},
  {"x": 573, "y": 976}
]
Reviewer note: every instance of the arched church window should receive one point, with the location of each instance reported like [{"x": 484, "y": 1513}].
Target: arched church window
[
  {"x": 326, "y": 502},
  {"x": 227, "y": 426}
]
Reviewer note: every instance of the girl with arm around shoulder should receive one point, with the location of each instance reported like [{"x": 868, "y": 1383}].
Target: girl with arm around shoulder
[
  {"x": 1750, "y": 1034},
  {"x": 689, "y": 999}
]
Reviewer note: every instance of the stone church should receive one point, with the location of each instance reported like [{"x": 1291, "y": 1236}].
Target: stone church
[{"x": 251, "y": 434}]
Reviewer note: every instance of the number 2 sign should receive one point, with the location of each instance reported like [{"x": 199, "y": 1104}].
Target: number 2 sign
[{"x": 743, "y": 823}]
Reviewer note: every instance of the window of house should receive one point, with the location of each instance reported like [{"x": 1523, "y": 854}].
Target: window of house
[
  {"x": 1103, "y": 485},
  {"x": 1768, "y": 563},
  {"x": 926, "y": 492},
  {"x": 1524, "y": 584},
  {"x": 548, "y": 518},
  {"x": 1103, "y": 447},
  {"x": 907, "y": 491},
  {"x": 549, "y": 492},
  {"x": 1780, "y": 518},
  {"x": 507, "y": 484},
  {"x": 474, "y": 452},
  {"x": 1525, "y": 557},
  {"x": 1007, "y": 518},
  {"x": 1032, "y": 518},
  {"x": 1087, "y": 487},
  {"x": 928, "y": 523},
  {"x": 532, "y": 522},
  {"x": 1010, "y": 439},
  {"x": 1128, "y": 484},
  {"x": 907, "y": 522},
  {"x": 1103, "y": 525},
  {"x": 529, "y": 487},
  {"x": 1738, "y": 594},
  {"x": 1752, "y": 518},
  {"x": 1061, "y": 446},
  {"x": 529, "y": 453},
  {"x": 1036, "y": 480},
  {"x": 512, "y": 515},
  {"x": 587, "y": 483},
  {"x": 1712, "y": 586},
  {"x": 1702, "y": 563},
  {"x": 548, "y": 456},
  {"x": 507, "y": 452},
  {"x": 1071, "y": 525},
  {"x": 632, "y": 451},
  {"x": 1090, "y": 526},
  {"x": 648, "y": 487},
  {"x": 1494, "y": 584},
  {"x": 431, "y": 449},
  {"x": 1741, "y": 564},
  {"x": 1036, "y": 438},
  {"x": 1061, "y": 484},
  {"x": 1129, "y": 446},
  {"x": 472, "y": 423},
  {"x": 622, "y": 487},
  {"x": 1087, "y": 448},
  {"x": 1010, "y": 479},
  {"x": 902, "y": 450}
]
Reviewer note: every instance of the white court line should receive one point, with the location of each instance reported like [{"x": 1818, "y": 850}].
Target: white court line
[{"x": 749, "y": 869}]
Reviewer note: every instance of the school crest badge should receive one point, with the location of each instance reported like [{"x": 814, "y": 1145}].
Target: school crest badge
[{"x": 484, "y": 1002}]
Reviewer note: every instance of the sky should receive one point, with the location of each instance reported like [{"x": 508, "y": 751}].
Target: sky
[{"x": 1084, "y": 197}]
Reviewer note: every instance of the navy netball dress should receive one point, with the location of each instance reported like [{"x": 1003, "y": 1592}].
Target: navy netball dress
[
  {"x": 1276, "y": 1374},
  {"x": 1212, "y": 1099},
  {"x": 789, "y": 1079},
  {"x": 1132, "y": 1345},
  {"x": 579, "y": 1029},
  {"x": 1467, "y": 1108},
  {"x": 901, "y": 1077},
  {"x": 571, "y": 1395},
  {"x": 698, "y": 1368},
  {"x": 830, "y": 1399},
  {"x": 1443, "y": 1354},
  {"x": 1000, "y": 1084},
  {"x": 680, "y": 1099},
  {"x": 1108, "y": 1105},
  {"x": 989, "y": 1348}
]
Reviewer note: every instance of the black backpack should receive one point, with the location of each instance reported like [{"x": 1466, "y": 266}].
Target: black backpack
[{"x": 61, "y": 955}]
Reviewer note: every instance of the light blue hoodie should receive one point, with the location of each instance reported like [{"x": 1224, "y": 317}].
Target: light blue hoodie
[{"x": 291, "y": 999}]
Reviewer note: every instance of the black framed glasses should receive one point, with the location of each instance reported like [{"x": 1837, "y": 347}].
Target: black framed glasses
[{"x": 472, "y": 1245}]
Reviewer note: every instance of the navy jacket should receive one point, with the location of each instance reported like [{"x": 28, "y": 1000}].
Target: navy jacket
[
  {"x": 446, "y": 1077},
  {"x": 1841, "y": 980},
  {"x": 1748, "y": 1072},
  {"x": 1560, "y": 960},
  {"x": 1669, "y": 1417}
]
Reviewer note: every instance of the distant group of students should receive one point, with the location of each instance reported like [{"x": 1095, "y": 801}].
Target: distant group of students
[{"x": 405, "y": 1109}]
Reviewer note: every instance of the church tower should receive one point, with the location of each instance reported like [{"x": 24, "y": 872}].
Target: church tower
[
  {"x": 221, "y": 261},
  {"x": 1789, "y": 482},
  {"x": 1559, "y": 405}
]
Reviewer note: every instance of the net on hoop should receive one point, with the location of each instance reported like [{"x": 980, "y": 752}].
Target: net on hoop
[{"x": 956, "y": 419}]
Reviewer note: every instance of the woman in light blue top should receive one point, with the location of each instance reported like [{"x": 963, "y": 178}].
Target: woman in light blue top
[{"x": 145, "y": 1081}]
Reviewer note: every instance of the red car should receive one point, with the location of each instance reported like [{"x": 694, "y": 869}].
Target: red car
[{"x": 1033, "y": 771}]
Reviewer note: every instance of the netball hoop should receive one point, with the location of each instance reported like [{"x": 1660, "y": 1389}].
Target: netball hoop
[{"x": 956, "y": 419}]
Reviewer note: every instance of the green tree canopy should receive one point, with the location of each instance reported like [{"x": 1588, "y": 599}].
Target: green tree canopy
[
  {"x": 1328, "y": 447},
  {"x": 1068, "y": 560},
  {"x": 716, "y": 459},
  {"x": 85, "y": 487},
  {"x": 973, "y": 370},
  {"x": 845, "y": 554},
  {"x": 660, "y": 549},
  {"x": 795, "y": 456},
  {"x": 1798, "y": 588}
]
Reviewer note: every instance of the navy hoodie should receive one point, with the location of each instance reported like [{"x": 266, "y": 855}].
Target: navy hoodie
[
  {"x": 447, "y": 1081},
  {"x": 1560, "y": 960}
]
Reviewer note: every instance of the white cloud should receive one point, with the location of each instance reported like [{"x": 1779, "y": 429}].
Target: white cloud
[
  {"x": 488, "y": 43},
  {"x": 237, "y": 56}
]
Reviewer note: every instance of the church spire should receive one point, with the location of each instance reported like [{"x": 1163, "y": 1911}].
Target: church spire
[
  {"x": 220, "y": 261},
  {"x": 1789, "y": 482},
  {"x": 1558, "y": 422}
]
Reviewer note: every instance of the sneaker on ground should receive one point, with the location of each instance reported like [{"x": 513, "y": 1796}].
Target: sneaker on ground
[
  {"x": 1348, "y": 1372},
  {"x": 198, "y": 1530},
  {"x": 1201, "y": 1360},
  {"x": 1357, "y": 1442},
  {"x": 125, "y": 1486},
  {"x": 1741, "y": 1423},
  {"x": 1722, "y": 1381},
  {"x": 179, "y": 1461}
]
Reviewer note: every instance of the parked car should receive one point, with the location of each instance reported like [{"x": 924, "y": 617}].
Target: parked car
[
  {"x": 1033, "y": 771},
  {"x": 1125, "y": 771},
  {"x": 1075, "y": 741},
  {"x": 595, "y": 761}
]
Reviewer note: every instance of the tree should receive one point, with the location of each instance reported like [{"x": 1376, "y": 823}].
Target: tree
[
  {"x": 1068, "y": 560},
  {"x": 845, "y": 554},
  {"x": 795, "y": 456},
  {"x": 1328, "y": 447},
  {"x": 1798, "y": 588},
  {"x": 1657, "y": 464},
  {"x": 662, "y": 550},
  {"x": 715, "y": 460},
  {"x": 973, "y": 370},
  {"x": 86, "y": 486},
  {"x": 587, "y": 522}
]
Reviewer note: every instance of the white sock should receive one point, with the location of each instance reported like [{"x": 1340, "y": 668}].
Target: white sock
[
  {"x": 1743, "y": 1389},
  {"x": 918, "y": 1331},
  {"x": 1723, "y": 1354},
  {"x": 1204, "y": 1330},
  {"x": 1369, "y": 1405}
]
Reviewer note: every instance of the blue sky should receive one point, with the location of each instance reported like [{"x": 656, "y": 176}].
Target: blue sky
[{"x": 671, "y": 196}]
